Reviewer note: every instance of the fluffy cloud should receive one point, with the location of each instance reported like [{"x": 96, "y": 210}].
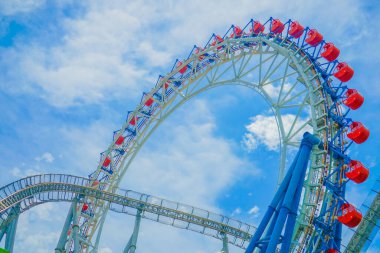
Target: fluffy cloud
[
  {"x": 237, "y": 211},
  {"x": 47, "y": 157},
  {"x": 264, "y": 130},
  {"x": 254, "y": 210},
  {"x": 108, "y": 52},
  {"x": 19, "y": 173}
]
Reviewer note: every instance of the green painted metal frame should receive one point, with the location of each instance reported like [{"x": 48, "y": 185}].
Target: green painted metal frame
[
  {"x": 31, "y": 191},
  {"x": 132, "y": 243},
  {"x": 367, "y": 229}
]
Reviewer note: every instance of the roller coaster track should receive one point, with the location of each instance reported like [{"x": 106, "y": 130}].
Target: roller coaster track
[
  {"x": 369, "y": 227},
  {"x": 34, "y": 190}
]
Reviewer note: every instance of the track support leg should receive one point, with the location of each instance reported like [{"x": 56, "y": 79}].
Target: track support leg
[
  {"x": 131, "y": 245},
  {"x": 10, "y": 230},
  {"x": 72, "y": 217},
  {"x": 225, "y": 244}
]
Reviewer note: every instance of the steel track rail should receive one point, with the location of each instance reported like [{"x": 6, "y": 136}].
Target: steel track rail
[
  {"x": 34, "y": 190},
  {"x": 368, "y": 228}
]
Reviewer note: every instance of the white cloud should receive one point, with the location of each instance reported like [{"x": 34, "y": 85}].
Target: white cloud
[
  {"x": 37, "y": 230},
  {"x": 84, "y": 145},
  {"x": 105, "y": 250},
  {"x": 44, "y": 212},
  {"x": 237, "y": 211},
  {"x": 19, "y": 6},
  {"x": 254, "y": 210},
  {"x": 19, "y": 173},
  {"x": 47, "y": 157},
  {"x": 264, "y": 130},
  {"x": 111, "y": 49},
  {"x": 274, "y": 91}
]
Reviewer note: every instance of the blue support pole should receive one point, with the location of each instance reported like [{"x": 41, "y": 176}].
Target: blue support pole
[
  {"x": 131, "y": 245},
  {"x": 298, "y": 175},
  {"x": 271, "y": 209},
  {"x": 287, "y": 240},
  {"x": 269, "y": 230},
  {"x": 284, "y": 206}
]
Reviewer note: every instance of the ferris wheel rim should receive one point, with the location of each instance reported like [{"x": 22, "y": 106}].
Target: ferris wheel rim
[{"x": 312, "y": 66}]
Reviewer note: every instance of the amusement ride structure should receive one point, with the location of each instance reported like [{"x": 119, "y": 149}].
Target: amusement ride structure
[{"x": 309, "y": 210}]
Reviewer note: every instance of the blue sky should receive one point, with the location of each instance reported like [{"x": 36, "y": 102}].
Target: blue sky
[{"x": 71, "y": 70}]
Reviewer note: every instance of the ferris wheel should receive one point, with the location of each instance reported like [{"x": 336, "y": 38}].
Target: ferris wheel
[{"x": 306, "y": 87}]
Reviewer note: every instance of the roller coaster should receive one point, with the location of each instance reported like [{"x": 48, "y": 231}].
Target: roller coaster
[{"x": 297, "y": 73}]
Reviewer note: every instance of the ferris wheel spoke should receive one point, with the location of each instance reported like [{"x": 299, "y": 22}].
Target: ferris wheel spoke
[
  {"x": 280, "y": 78},
  {"x": 296, "y": 118},
  {"x": 303, "y": 126},
  {"x": 283, "y": 81},
  {"x": 297, "y": 95},
  {"x": 258, "y": 65},
  {"x": 244, "y": 63},
  {"x": 269, "y": 71}
]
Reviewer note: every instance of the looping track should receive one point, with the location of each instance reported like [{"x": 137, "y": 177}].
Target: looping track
[{"x": 34, "y": 190}]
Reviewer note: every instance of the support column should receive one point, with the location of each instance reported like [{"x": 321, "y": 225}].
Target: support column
[
  {"x": 282, "y": 212},
  {"x": 75, "y": 228},
  {"x": 63, "y": 237},
  {"x": 131, "y": 245},
  {"x": 225, "y": 243},
  {"x": 10, "y": 230}
]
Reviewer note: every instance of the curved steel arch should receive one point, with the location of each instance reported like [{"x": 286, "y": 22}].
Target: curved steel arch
[
  {"x": 204, "y": 70},
  {"x": 35, "y": 190}
]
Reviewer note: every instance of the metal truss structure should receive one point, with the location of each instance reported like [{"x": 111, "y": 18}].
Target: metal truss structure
[
  {"x": 298, "y": 75},
  {"x": 28, "y": 192},
  {"x": 368, "y": 228}
]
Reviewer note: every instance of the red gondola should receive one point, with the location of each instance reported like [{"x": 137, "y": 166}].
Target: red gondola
[
  {"x": 357, "y": 173},
  {"x": 350, "y": 217},
  {"x": 313, "y": 38},
  {"x": 296, "y": 30},
  {"x": 84, "y": 207},
  {"x": 133, "y": 121},
  {"x": 343, "y": 72},
  {"x": 106, "y": 162},
  {"x": 331, "y": 52},
  {"x": 331, "y": 251},
  {"x": 198, "y": 50},
  {"x": 359, "y": 133},
  {"x": 95, "y": 183},
  {"x": 120, "y": 140},
  {"x": 217, "y": 40},
  {"x": 277, "y": 26},
  {"x": 354, "y": 99},
  {"x": 236, "y": 32},
  {"x": 257, "y": 27},
  {"x": 182, "y": 70},
  {"x": 149, "y": 102}
]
